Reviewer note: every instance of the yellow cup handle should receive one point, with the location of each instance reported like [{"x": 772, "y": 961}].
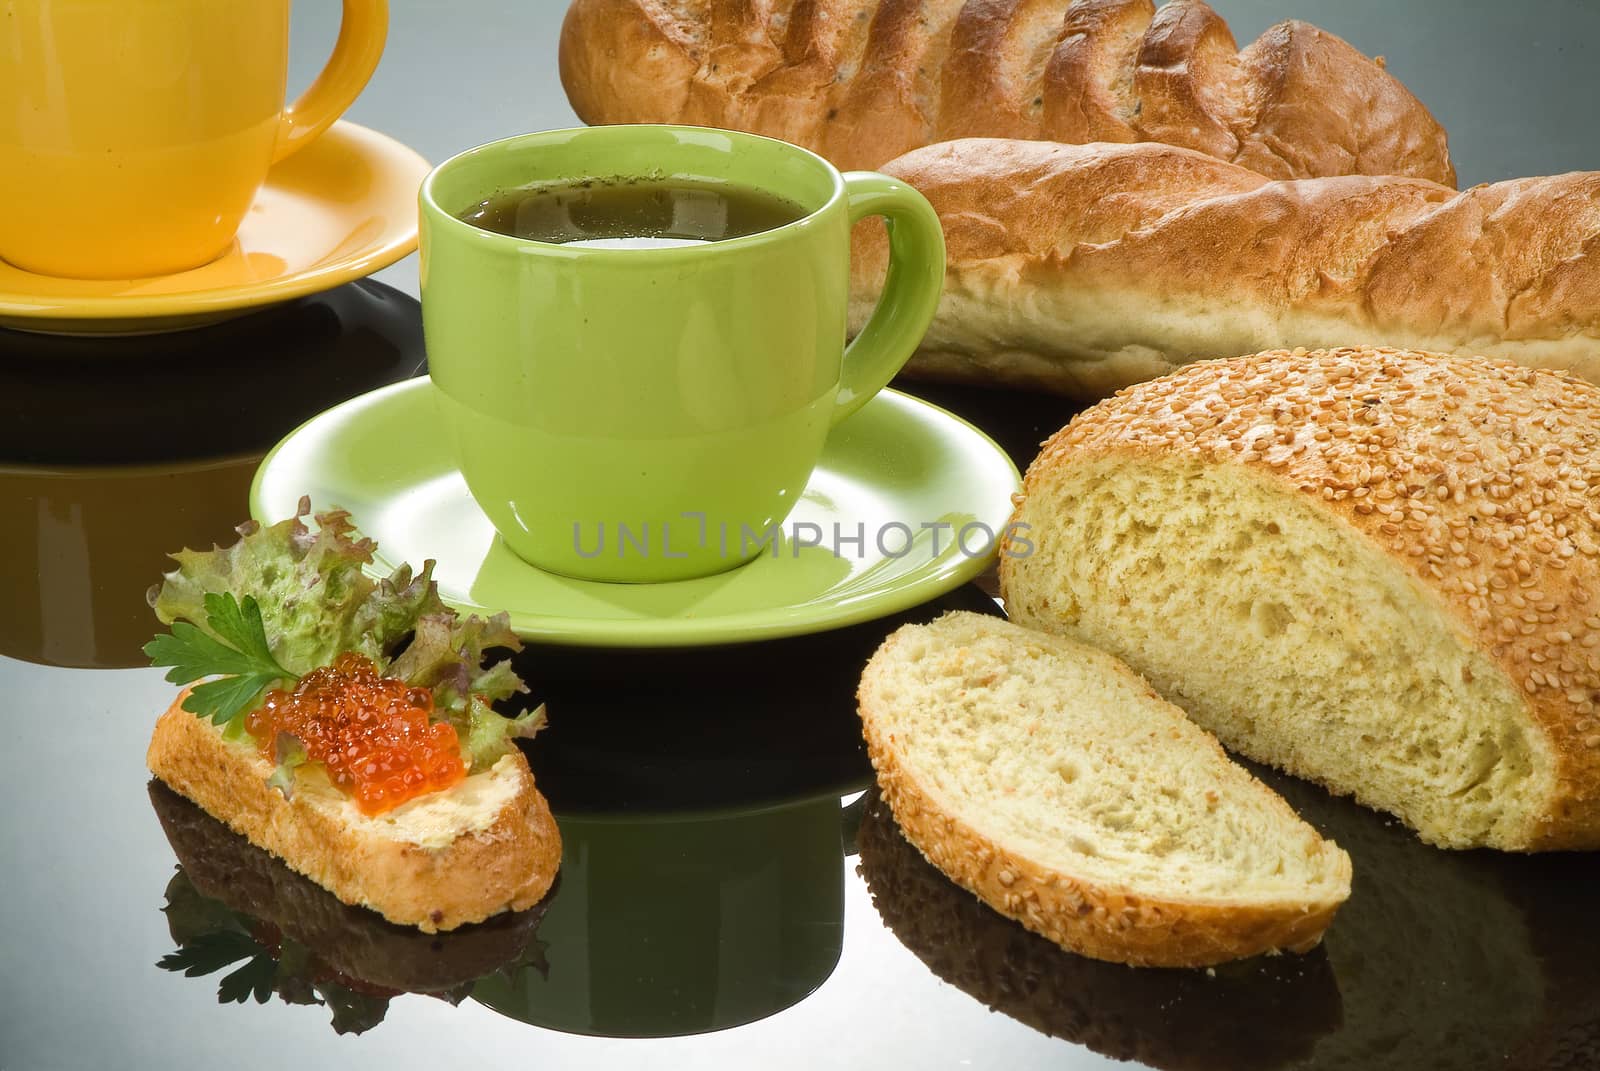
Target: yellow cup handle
[{"x": 361, "y": 37}]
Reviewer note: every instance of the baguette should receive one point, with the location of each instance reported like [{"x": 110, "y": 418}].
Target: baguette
[
  {"x": 1373, "y": 569},
  {"x": 487, "y": 845},
  {"x": 1046, "y": 778},
  {"x": 862, "y": 81},
  {"x": 1081, "y": 269}
]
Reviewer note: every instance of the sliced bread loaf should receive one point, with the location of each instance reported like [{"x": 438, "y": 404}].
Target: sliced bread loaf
[
  {"x": 1048, "y": 779},
  {"x": 1375, "y": 569}
]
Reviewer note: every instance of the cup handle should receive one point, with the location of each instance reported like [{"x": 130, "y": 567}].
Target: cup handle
[
  {"x": 362, "y": 33},
  {"x": 910, "y": 293}
]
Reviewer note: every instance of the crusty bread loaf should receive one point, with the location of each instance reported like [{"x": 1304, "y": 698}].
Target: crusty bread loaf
[
  {"x": 1049, "y": 780},
  {"x": 1371, "y": 568},
  {"x": 862, "y": 81},
  {"x": 442, "y": 860},
  {"x": 1083, "y": 268}
]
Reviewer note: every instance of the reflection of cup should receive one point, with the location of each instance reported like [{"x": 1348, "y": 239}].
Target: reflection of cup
[
  {"x": 702, "y": 876},
  {"x": 683, "y": 924},
  {"x": 650, "y": 414},
  {"x": 135, "y": 133},
  {"x": 115, "y": 453},
  {"x": 81, "y": 545}
]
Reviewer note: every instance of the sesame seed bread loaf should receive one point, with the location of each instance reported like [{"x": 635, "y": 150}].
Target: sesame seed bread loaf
[
  {"x": 862, "y": 81},
  {"x": 1080, "y": 269},
  {"x": 1375, "y": 569},
  {"x": 487, "y": 845},
  {"x": 1049, "y": 780}
]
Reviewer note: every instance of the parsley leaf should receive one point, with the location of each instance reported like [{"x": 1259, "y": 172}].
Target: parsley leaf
[
  {"x": 208, "y": 952},
  {"x": 254, "y": 979},
  {"x": 246, "y": 668}
]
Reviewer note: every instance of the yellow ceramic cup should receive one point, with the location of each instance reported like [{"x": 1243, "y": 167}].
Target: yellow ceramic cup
[{"x": 135, "y": 133}]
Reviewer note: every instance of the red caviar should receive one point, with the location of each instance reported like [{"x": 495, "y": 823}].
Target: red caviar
[{"x": 372, "y": 734}]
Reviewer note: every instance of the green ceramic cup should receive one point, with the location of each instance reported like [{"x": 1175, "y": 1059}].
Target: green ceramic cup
[{"x": 649, "y": 415}]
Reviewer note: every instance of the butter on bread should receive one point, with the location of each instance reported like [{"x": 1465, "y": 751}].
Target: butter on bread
[{"x": 489, "y": 844}]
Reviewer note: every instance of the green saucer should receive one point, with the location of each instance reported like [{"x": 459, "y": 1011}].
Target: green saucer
[{"x": 904, "y": 474}]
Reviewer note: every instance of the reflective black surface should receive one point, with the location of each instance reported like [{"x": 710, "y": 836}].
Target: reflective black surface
[
  {"x": 711, "y": 908},
  {"x": 229, "y": 388},
  {"x": 708, "y": 799}
]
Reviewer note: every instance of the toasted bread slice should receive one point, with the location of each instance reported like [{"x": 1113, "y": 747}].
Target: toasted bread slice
[
  {"x": 1048, "y": 779},
  {"x": 438, "y": 862}
]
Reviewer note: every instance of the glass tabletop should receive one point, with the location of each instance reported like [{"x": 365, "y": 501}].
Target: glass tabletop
[{"x": 732, "y": 892}]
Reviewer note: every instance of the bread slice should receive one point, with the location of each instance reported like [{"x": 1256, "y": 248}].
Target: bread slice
[
  {"x": 1372, "y": 568},
  {"x": 438, "y": 862},
  {"x": 1048, "y": 779}
]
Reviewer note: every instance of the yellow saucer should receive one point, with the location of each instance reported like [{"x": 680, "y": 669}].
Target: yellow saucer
[{"x": 338, "y": 210}]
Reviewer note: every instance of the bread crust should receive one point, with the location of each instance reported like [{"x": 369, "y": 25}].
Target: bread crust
[
  {"x": 863, "y": 81},
  {"x": 1101, "y": 921},
  {"x": 506, "y": 863},
  {"x": 1475, "y": 477},
  {"x": 1084, "y": 268}
]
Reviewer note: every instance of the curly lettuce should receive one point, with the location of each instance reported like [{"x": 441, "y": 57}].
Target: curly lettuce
[{"x": 288, "y": 598}]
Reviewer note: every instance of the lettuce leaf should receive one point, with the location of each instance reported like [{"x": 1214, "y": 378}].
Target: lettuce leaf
[
  {"x": 305, "y": 594},
  {"x": 289, "y": 754},
  {"x": 316, "y": 601},
  {"x": 486, "y": 736}
]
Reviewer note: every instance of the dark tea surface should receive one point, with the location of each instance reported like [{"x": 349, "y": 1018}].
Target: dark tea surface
[{"x": 633, "y": 212}]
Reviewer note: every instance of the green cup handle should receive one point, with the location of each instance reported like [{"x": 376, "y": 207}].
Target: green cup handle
[{"x": 910, "y": 293}]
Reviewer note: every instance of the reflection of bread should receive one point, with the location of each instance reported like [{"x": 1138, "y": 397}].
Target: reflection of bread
[
  {"x": 1556, "y": 896},
  {"x": 1447, "y": 960},
  {"x": 1373, "y": 568},
  {"x": 861, "y": 81},
  {"x": 448, "y": 858},
  {"x": 353, "y": 941},
  {"x": 1046, "y": 778},
  {"x": 1251, "y": 1016},
  {"x": 1434, "y": 954}
]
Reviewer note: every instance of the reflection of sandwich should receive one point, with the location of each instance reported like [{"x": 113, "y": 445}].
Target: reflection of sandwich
[
  {"x": 1180, "y": 1020},
  {"x": 346, "y": 724},
  {"x": 232, "y": 907}
]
